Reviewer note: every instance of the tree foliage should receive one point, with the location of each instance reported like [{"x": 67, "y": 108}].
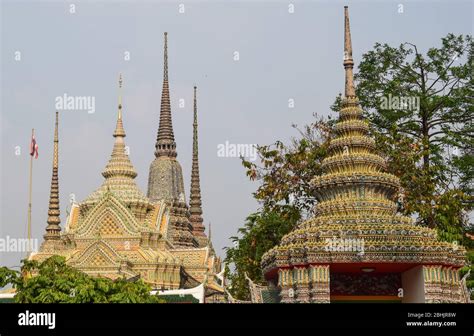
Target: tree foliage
[
  {"x": 421, "y": 109},
  {"x": 468, "y": 271},
  {"x": 285, "y": 171},
  {"x": 53, "y": 281},
  {"x": 285, "y": 196},
  {"x": 261, "y": 232}
]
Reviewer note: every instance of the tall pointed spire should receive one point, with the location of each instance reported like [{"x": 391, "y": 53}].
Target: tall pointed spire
[
  {"x": 53, "y": 229},
  {"x": 119, "y": 130},
  {"x": 165, "y": 178},
  {"x": 348, "y": 61},
  {"x": 119, "y": 172},
  {"x": 119, "y": 164},
  {"x": 195, "y": 202},
  {"x": 165, "y": 143}
]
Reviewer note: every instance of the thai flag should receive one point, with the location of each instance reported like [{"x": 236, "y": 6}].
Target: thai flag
[{"x": 33, "y": 147}]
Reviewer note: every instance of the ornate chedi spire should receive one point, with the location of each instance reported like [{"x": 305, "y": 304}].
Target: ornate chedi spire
[
  {"x": 353, "y": 171},
  {"x": 356, "y": 225},
  {"x": 119, "y": 172},
  {"x": 165, "y": 180},
  {"x": 53, "y": 229},
  {"x": 195, "y": 203},
  {"x": 119, "y": 166},
  {"x": 165, "y": 144}
]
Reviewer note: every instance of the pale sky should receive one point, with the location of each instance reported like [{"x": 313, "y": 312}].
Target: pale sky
[{"x": 282, "y": 56}]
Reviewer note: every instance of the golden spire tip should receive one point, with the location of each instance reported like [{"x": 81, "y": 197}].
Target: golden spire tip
[
  {"x": 120, "y": 96},
  {"x": 349, "y": 90}
]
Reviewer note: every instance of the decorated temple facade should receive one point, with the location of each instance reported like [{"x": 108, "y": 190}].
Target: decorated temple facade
[
  {"x": 357, "y": 247},
  {"x": 117, "y": 231}
]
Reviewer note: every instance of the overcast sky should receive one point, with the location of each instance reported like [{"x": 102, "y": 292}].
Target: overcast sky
[{"x": 282, "y": 56}]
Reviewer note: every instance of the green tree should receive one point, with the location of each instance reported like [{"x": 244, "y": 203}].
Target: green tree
[
  {"x": 285, "y": 173},
  {"x": 470, "y": 277},
  {"x": 421, "y": 109},
  {"x": 261, "y": 232},
  {"x": 53, "y": 281}
]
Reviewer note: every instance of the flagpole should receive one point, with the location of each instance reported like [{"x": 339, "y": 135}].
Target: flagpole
[{"x": 29, "y": 199}]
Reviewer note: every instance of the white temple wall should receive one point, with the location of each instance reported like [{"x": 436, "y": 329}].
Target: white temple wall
[{"x": 413, "y": 285}]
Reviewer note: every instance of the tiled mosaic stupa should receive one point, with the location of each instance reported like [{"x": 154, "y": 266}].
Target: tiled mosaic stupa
[{"x": 357, "y": 247}]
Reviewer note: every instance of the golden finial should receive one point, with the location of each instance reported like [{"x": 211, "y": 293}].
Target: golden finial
[
  {"x": 56, "y": 127},
  {"x": 120, "y": 97},
  {"x": 165, "y": 57},
  {"x": 119, "y": 131},
  {"x": 348, "y": 61}
]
